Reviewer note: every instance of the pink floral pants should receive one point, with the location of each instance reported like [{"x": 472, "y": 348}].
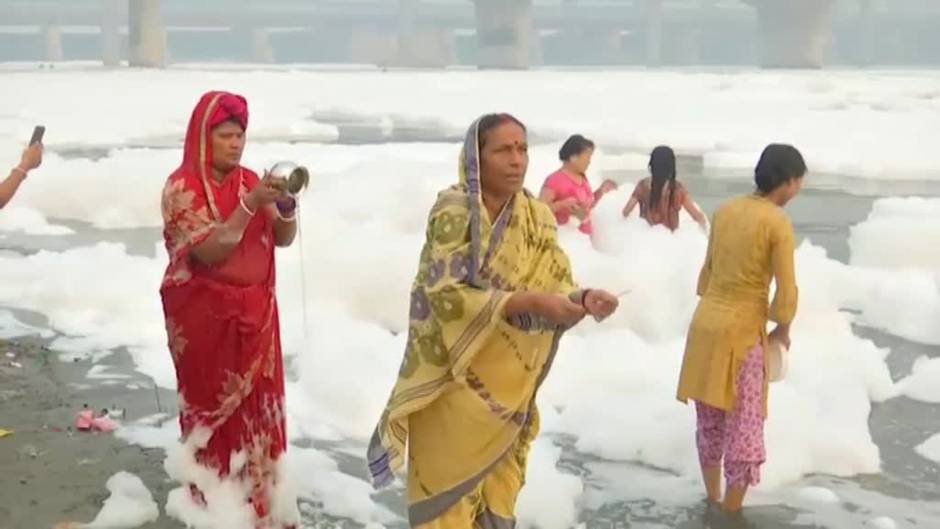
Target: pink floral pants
[{"x": 736, "y": 436}]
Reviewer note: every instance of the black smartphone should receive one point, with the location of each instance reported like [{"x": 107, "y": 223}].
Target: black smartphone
[{"x": 37, "y": 134}]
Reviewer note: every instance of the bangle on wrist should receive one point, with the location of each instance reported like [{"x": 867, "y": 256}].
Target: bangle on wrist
[
  {"x": 291, "y": 217},
  {"x": 20, "y": 170},
  {"x": 584, "y": 295},
  {"x": 286, "y": 207},
  {"x": 241, "y": 202}
]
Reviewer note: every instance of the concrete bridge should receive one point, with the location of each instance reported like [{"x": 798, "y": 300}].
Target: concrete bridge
[{"x": 504, "y": 33}]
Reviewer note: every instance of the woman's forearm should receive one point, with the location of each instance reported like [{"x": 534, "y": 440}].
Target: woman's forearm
[
  {"x": 219, "y": 245},
  {"x": 520, "y": 303},
  {"x": 628, "y": 209},
  {"x": 285, "y": 230},
  {"x": 10, "y": 185}
]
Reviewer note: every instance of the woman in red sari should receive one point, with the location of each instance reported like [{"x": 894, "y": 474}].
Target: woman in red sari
[{"x": 221, "y": 224}]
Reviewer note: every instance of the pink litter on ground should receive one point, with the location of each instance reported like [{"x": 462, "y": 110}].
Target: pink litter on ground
[
  {"x": 84, "y": 420},
  {"x": 104, "y": 424},
  {"x": 87, "y": 422}
]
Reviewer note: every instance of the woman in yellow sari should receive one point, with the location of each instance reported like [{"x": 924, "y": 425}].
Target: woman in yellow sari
[{"x": 492, "y": 297}]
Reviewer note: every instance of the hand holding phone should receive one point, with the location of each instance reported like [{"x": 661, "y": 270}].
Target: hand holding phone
[
  {"x": 32, "y": 156},
  {"x": 38, "y": 133}
]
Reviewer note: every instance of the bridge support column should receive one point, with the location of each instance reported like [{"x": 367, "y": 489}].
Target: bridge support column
[
  {"x": 407, "y": 33},
  {"x": 794, "y": 33},
  {"x": 110, "y": 32},
  {"x": 654, "y": 32},
  {"x": 612, "y": 46},
  {"x": 370, "y": 45},
  {"x": 427, "y": 48},
  {"x": 147, "y": 38},
  {"x": 261, "y": 49},
  {"x": 706, "y": 15},
  {"x": 505, "y": 34},
  {"x": 865, "y": 33},
  {"x": 52, "y": 42},
  {"x": 422, "y": 47}
]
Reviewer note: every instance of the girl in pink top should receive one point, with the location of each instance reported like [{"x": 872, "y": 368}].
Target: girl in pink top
[{"x": 567, "y": 190}]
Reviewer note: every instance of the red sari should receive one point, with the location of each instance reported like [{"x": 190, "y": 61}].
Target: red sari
[{"x": 222, "y": 320}]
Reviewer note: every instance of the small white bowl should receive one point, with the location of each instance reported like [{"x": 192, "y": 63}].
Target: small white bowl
[{"x": 777, "y": 361}]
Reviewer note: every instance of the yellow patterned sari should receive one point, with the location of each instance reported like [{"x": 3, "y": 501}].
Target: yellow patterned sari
[{"x": 464, "y": 403}]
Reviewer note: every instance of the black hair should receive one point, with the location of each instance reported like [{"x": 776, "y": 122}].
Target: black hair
[
  {"x": 662, "y": 168},
  {"x": 491, "y": 121},
  {"x": 574, "y": 146},
  {"x": 778, "y": 164}
]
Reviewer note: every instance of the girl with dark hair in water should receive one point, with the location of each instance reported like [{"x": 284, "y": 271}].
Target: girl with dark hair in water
[
  {"x": 723, "y": 371},
  {"x": 660, "y": 196},
  {"x": 567, "y": 191}
]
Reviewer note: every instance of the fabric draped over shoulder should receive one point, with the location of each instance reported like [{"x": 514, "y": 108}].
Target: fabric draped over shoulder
[
  {"x": 465, "y": 391},
  {"x": 222, "y": 322}
]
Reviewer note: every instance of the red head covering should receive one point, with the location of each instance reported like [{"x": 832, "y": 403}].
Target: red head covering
[
  {"x": 194, "y": 203},
  {"x": 212, "y": 109},
  {"x": 222, "y": 319}
]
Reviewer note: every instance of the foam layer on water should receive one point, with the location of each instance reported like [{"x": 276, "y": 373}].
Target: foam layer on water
[
  {"x": 613, "y": 384},
  {"x": 362, "y": 223},
  {"x": 930, "y": 448},
  {"x": 130, "y": 504},
  {"x": 845, "y": 121},
  {"x": 882, "y": 522},
  {"x": 818, "y": 495},
  {"x": 893, "y": 251},
  {"x": 924, "y": 381},
  {"x": 11, "y": 327},
  {"x": 122, "y": 190},
  {"x": 318, "y": 478},
  {"x": 30, "y": 222},
  {"x": 900, "y": 233},
  {"x": 549, "y": 499},
  {"x": 99, "y": 293}
]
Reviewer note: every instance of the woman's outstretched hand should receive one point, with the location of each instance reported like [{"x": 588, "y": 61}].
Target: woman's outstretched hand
[
  {"x": 600, "y": 304},
  {"x": 557, "y": 309},
  {"x": 32, "y": 158}
]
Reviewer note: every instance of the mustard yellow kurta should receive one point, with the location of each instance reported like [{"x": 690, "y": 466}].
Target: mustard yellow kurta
[{"x": 751, "y": 243}]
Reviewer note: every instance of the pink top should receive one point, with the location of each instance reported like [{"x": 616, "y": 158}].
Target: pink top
[{"x": 564, "y": 186}]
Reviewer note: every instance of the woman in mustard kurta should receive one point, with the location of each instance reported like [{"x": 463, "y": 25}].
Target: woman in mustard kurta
[
  {"x": 493, "y": 295},
  {"x": 723, "y": 370}
]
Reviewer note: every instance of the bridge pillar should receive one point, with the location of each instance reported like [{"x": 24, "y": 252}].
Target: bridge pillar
[
  {"x": 261, "y": 49},
  {"x": 52, "y": 41},
  {"x": 407, "y": 32},
  {"x": 506, "y": 37},
  {"x": 653, "y": 17},
  {"x": 866, "y": 31},
  {"x": 794, "y": 33},
  {"x": 698, "y": 53},
  {"x": 422, "y": 47},
  {"x": 110, "y": 32},
  {"x": 371, "y": 45},
  {"x": 147, "y": 38},
  {"x": 427, "y": 48}
]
